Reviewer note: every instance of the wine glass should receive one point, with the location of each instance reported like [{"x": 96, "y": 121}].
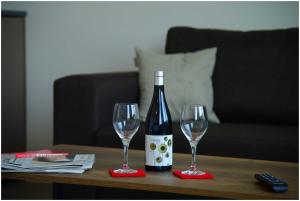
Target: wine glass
[
  {"x": 193, "y": 124},
  {"x": 126, "y": 122}
]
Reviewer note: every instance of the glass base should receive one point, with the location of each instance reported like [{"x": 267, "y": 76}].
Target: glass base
[
  {"x": 125, "y": 171},
  {"x": 193, "y": 172}
]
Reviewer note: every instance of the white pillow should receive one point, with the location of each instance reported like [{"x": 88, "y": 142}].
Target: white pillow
[{"x": 187, "y": 80}]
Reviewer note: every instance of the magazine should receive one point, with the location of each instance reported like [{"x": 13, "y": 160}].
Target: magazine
[{"x": 56, "y": 163}]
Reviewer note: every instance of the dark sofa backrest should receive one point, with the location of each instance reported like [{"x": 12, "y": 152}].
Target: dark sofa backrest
[{"x": 256, "y": 74}]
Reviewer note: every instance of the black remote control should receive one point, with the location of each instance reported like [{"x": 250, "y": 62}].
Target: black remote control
[{"x": 272, "y": 182}]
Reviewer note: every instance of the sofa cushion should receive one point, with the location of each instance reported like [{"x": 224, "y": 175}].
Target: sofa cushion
[
  {"x": 279, "y": 143},
  {"x": 187, "y": 79},
  {"x": 256, "y": 73}
]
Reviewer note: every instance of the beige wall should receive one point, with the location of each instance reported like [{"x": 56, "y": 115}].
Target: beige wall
[{"x": 66, "y": 38}]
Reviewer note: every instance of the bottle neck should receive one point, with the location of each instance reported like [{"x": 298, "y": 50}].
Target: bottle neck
[
  {"x": 159, "y": 81},
  {"x": 159, "y": 89},
  {"x": 159, "y": 92}
]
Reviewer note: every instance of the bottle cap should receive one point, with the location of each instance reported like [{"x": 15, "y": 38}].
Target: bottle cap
[{"x": 159, "y": 73}]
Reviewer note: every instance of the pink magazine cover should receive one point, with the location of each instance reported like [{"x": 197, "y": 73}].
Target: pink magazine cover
[{"x": 41, "y": 153}]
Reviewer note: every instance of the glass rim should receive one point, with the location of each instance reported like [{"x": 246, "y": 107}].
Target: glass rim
[
  {"x": 125, "y": 103},
  {"x": 194, "y": 105}
]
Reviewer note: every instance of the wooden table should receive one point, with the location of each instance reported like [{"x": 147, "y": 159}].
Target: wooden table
[{"x": 234, "y": 178}]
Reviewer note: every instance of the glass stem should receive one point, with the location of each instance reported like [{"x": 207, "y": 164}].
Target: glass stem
[
  {"x": 193, "y": 163},
  {"x": 125, "y": 163}
]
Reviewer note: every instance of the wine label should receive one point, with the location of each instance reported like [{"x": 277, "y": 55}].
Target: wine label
[{"x": 158, "y": 150}]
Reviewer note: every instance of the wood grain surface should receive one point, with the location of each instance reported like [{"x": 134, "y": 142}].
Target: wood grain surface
[{"x": 234, "y": 177}]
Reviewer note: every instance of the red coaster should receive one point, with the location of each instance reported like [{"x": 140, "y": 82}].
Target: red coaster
[
  {"x": 139, "y": 173},
  {"x": 207, "y": 175}
]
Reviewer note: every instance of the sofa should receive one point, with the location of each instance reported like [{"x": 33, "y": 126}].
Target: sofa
[{"x": 255, "y": 84}]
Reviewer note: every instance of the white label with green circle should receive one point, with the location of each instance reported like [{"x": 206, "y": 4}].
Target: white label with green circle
[{"x": 159, "y": 150}]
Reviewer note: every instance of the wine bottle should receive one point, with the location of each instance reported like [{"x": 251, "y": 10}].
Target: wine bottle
[{"x": 158, "y": 130}]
